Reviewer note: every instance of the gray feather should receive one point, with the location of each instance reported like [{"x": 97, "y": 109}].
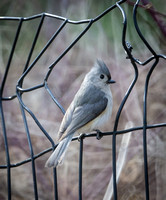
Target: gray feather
[
  {"x": 58, "y": 155},
  {"x": 86, "y": 113},
  {"x": 66, "y": 121},
  {"x": 89, "y": 103},
  {"x": 103, "y": 68},
  {"x": 86, "y": 109}
]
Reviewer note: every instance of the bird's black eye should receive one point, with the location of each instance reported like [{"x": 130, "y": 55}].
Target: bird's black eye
[{"x": 102, "y": 76}]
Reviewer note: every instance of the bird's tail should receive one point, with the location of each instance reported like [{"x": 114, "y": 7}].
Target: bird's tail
[{"x": 58, "y": 155}]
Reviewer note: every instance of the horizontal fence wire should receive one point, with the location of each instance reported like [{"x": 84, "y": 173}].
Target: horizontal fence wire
[{"x": 155, "y": 58}]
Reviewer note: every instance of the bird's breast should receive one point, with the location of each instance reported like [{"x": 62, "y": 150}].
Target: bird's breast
[{"x": 104, "y": 116}]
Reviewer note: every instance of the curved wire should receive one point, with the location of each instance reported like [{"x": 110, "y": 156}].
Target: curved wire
[
  {"x": 20, "y": 92},
  {"x": 124, "y": 99}
]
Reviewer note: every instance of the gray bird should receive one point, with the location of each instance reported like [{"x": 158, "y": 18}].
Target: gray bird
[{"x": 90, "y": 108}]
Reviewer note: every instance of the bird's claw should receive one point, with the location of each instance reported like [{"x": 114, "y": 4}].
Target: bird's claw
[
  {"x": 81, "y": 137},
  {"x": 99, "y": 134}
]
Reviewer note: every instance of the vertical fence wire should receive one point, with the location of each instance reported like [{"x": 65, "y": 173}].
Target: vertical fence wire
[
  {"x": 20, "y": 91},
  {"x": 80, "y": 167}
]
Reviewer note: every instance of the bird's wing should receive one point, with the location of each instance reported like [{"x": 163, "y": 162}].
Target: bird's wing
[
  {"x": 66, "y": 121},
  {"x": 88, "y": 108}
]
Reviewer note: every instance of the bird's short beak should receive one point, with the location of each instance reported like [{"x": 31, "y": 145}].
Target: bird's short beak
[{"x": 110, "y": 81}]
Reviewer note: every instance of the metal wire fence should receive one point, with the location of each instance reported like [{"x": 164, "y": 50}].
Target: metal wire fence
[{"x": 153, "y": 60}]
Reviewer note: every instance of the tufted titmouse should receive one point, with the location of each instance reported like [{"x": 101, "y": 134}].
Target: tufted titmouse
[{"x": 90, "y": 108}]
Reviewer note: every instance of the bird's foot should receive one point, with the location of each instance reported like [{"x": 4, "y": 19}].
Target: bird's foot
[
  {"x": 99, "y": 134},
  {"x": 81, "y": 137}
]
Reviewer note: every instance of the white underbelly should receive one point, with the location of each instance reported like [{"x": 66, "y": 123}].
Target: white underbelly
[{"x": 104, "y": 117}]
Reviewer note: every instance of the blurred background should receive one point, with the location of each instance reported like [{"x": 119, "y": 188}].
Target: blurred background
[{"x": 103, "y": 40}]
